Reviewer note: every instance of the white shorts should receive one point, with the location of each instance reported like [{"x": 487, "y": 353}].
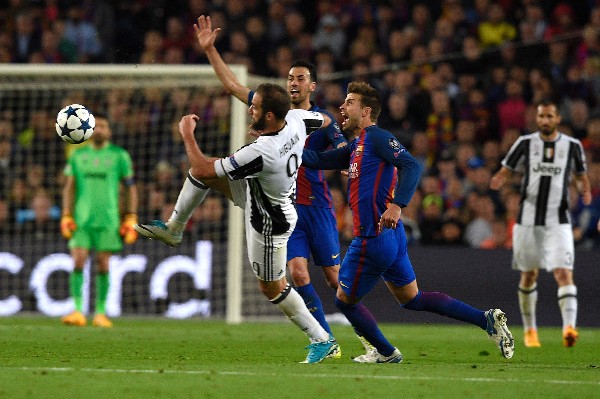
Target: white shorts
[
  {"x": 268, "y": 254},
  {"x": 542, "y": 247}
]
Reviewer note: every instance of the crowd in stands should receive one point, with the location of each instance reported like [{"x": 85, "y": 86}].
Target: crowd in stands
[{"x": 459, "y": 82}]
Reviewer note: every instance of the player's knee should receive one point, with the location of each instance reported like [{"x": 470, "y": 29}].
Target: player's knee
[
  {"x": 299, "y": 275},
  {"x": 415, "y": 303},
  {"x": 342, "y": 306}
]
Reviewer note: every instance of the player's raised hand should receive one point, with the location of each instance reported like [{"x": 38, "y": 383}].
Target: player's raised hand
[
  {"x": 67, "y": 226},
  {"x": 187, "y": 124},
  {"x": 205, "y": 34}
]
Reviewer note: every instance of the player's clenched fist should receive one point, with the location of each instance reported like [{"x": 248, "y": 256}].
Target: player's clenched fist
[
  {"x": 67, "y": 226},
  {"x": 127, "y": 231}
]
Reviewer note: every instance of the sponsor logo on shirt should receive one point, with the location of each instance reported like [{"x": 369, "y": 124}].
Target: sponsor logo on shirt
[{"x": 546, "y": 169}]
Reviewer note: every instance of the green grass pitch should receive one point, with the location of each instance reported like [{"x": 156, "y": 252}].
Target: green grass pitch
[{"x": 160, "y": 358}]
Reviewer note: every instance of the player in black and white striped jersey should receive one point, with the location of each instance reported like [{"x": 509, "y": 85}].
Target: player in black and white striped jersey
[
  {"x": 542, "y": 235},
  {"x": 259, "y": 177}
]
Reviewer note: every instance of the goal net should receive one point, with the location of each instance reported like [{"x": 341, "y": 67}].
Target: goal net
[{"x": 207, "y": 275}]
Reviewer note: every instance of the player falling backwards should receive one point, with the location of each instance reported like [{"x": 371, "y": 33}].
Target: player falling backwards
[{"x": 383, "y": 177}]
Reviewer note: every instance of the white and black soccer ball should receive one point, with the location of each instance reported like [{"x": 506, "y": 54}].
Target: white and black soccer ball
[{"x": 75, "y": 124}]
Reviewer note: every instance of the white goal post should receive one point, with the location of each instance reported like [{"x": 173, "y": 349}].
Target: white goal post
[{"x": 142, "y": 101}]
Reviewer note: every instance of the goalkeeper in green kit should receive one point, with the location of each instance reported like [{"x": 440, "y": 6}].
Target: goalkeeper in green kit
[{"x": 91, "y": 218}]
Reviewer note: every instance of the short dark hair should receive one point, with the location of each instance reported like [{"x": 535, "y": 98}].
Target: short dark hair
[
  {"x": 275, "y": 99},
  {"x": 312, "y": 69},
  {"x": 546, "y": 102},
  {"x": 369, "y": 97}
]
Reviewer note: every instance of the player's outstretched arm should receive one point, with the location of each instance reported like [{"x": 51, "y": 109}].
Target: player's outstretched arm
[
  {"x": 202, "y": 167},
  {"x": 206, "y": 37}
]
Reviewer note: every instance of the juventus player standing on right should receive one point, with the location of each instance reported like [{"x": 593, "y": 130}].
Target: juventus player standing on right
[{"x": 543, "y": 236}]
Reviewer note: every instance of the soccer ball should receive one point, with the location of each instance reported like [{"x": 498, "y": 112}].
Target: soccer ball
[{"x": 75, "y": 124}]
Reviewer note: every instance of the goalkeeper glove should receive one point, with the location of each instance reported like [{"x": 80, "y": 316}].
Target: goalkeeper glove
[
  {"x": 127, "y": 232},
  {"x": 67, "y": 226}
]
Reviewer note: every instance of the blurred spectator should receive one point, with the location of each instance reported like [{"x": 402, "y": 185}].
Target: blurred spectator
[
  {"x": 41, "y": 216},
  {"x": 557, "y": 61},
  {"x": 451, "y": 232},
  {"x": 330, "y": 35},
  {"x": 397, "y": 47},
  {"x": 257, "y": 31},
  {"x": 397, "y": 120},
  {"x": 577, "y": 118},
  {"x": 479, "y": 227},
  {"x": 421, "y": 23},
  {"x": 576, "y": 87},
  {"x": 27, "y": 36},
  {"x": 440, "y": 122},
  {"x": 431, "y": 221},
  {"x": 496, "y": 29},
  {"x": 562, "y": 21},
  {"x": 153, "y": 46},
  {"x": 84, "y": 34},
  {"x": 511, "y": 111}
]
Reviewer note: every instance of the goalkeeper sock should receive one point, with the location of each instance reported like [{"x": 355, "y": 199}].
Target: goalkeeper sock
[
  {"x": 362, "y": 320},
  {"x": 291, "y": 304},
  {"x": 76, "y": 288},
  {"x": 314, "y": 305},
  {"x": 102, "y": 284},
  {"x": 442, "y": 304},
  {"x": 191, "y": 195}
]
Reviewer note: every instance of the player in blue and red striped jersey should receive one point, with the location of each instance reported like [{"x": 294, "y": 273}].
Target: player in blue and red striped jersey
[
  {"x": 316, "y": 231},
  {"x": 383, "y": 177}
]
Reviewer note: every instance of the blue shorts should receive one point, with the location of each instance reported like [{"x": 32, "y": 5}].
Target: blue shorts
[
  {"x": 316, "y": 232},
  {"x": 369, "y": 258}
]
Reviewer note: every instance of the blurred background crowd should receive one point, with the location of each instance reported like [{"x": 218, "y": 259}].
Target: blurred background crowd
[{"x": 459, "y": 81}]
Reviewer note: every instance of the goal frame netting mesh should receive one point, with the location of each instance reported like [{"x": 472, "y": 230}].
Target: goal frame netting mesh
[{"x": 203, "y": 278}]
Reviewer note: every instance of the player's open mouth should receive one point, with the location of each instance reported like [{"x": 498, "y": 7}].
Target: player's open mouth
[{"x": 294, "y": 91}]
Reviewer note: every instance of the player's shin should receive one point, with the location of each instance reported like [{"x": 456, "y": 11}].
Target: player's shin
[
  {"x": 292, "y": 305},
  {"x": 313, "y": 303},
  {"x": 362, "y": 320},
  {"x": 191, "y": 195}
]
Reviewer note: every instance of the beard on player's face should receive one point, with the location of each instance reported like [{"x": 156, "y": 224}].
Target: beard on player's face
[
  {"x": 547, "y": 130},
  {"x": 260, "y": 124}
]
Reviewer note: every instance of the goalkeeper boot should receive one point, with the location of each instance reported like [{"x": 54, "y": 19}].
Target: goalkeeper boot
[
  {"x": 75, "y": 318},
  {"x": 531, "y": 338},
  {"x": 376, "y": 357},
  {"x": 570, "y": 336},
  {"x": 499, "y": 333},
  {"x": 336, "y": 351},
  {"x": 101, "y": 320},
  {"x": 317, "y": 351},
  {"x": 156, "y": 229}
]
